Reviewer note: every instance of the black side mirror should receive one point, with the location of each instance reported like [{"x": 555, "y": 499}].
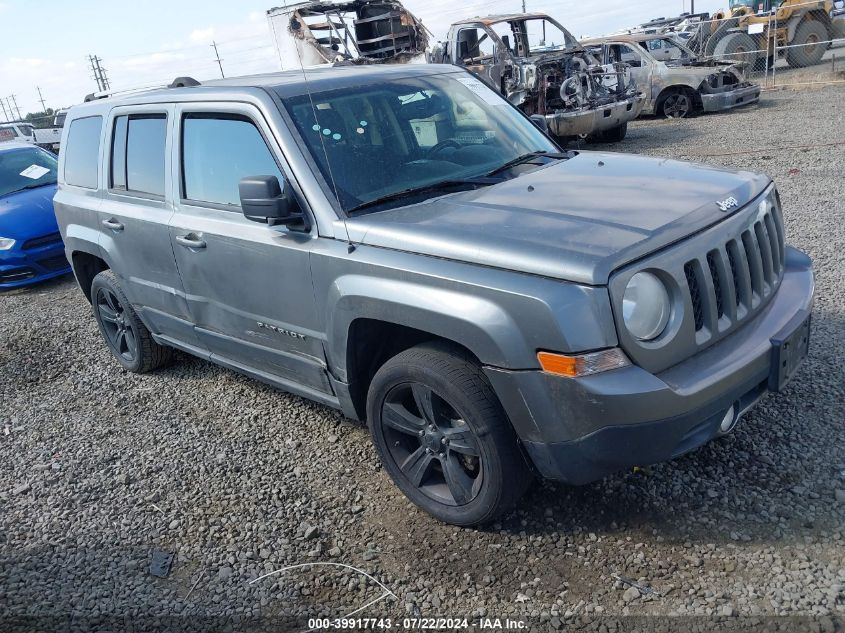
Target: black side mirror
[
  {"x": 264, "y": 199},
  {"x": 540, "y": 121}
]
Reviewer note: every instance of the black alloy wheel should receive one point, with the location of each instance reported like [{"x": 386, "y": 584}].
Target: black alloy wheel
[
  {"x": 118, "y": 328},
  {"x": 432, "y": 445}
]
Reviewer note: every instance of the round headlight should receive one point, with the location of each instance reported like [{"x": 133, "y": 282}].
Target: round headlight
[{"x": 646, "y": 306}]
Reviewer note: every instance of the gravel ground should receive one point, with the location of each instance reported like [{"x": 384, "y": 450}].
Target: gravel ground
[{"x": 98, "y": 468}]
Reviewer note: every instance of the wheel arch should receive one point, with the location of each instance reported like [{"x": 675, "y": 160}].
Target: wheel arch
[
  {"x": 86, "y": 266},
  {"x": 694, "y": 94}
]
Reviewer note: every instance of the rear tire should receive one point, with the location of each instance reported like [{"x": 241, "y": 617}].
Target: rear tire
[
  {"x": 809, "y": 50},
  {"x": 127, "y": 338},
  {"x": 444, "y": 438}
]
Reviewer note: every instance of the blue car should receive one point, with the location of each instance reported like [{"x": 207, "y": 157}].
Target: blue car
[{"x": 31, "y": 247}]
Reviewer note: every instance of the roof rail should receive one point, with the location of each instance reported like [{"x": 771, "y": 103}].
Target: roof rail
[{"x": 179, "y": 82}]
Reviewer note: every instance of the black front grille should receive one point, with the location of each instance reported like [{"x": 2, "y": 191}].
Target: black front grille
[
  {"x": 44, "y": 240},
  {"x": 733, "y": 280},
  {"x": 54, "y": 263},
  {"x": 16, "y": 274},
  {"x": 695, "y": 295}
]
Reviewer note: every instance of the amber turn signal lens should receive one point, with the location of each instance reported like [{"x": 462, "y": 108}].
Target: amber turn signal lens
[{"x": 583, "y": 364}]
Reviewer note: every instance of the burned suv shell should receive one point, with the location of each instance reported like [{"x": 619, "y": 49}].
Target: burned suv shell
[
  {"x": 359, "y": 32},
  {"x": 678, "y": 83},
  {"x": 566, "y": 86}
]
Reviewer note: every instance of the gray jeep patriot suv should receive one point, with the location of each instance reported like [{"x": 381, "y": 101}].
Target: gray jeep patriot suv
[{"x": 402, "y": 244}]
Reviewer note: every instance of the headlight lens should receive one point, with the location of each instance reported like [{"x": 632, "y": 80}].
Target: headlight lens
[
  {"x": 646, "y": 306},
  {"x": 6, "y": 243}
]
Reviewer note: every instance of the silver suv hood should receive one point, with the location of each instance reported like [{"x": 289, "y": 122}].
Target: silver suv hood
[{"x": 576, "y": 220}]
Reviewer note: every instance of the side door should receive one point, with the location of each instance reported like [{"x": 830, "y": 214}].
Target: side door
[
  {"x": 476, "y": 51},
  {"x": 134, "y": 216},
  {"x": 248, "y": 284},
  {"x": 641, "y": 66}
]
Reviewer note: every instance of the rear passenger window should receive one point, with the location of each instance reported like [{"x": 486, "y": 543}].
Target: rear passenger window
[
  {"x": 81, "y": 152},
  {"x": 217, "y": 151},
  {"x": 138, "y": 153}
]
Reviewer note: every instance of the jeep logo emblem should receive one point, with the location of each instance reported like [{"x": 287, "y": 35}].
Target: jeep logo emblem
[{"x": 727, "y": 205}]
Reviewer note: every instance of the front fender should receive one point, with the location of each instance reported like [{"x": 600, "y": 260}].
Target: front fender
[{"x": 477, "y": 323}]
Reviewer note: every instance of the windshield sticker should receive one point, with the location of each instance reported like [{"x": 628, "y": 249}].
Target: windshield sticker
[
  {"x": 34, "y": 172},
  {"x": 482, "y": 91}
]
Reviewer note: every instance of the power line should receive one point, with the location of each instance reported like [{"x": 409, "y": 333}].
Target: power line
[
  {"x": 41, "y": 99},
  {"x": 15, "y": 101},
  {"x": 99, "y": 73},
  {"x": 219, "y": 61}
]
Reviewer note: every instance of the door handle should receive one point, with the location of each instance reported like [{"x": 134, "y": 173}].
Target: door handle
[
  {"x": 113, "y": 224},
  {"x": 190, "y": 241}
]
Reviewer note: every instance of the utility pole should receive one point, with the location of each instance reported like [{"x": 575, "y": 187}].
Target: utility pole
[
  {"x": 523, "y": 6},
  {"x": 15, "y": 101},
  {"x": 219, "y": 61},
  {"x": 3, "y": 105},
  {"x": 99, "y": 73},
  {"x": 41, "y": 99},
  {"x": 692, "y": 6}
]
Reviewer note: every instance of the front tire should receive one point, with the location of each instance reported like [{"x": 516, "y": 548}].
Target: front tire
[
  {"x": 676, "y": 104},
  {"x": 613, "y": 135},
  {"x": 127, "y": 338},
  {"x": 443, "y": 437}
]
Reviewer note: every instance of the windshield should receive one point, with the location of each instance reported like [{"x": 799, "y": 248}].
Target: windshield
[
  {"x": 26, "y": 168},
  {"x": 382, "y": 138},
  {"x": 544, "y": 35}
]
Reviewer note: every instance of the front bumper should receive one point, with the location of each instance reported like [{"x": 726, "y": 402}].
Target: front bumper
[
  {"x": 579, "y": 430},
  {"x": 24, "y": 267},
  {"x": 596, "y": 120},
  {"x": 721, "y": 101}
]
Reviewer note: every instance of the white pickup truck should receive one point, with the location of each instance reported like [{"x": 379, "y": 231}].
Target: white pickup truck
[{"x": 23, "y": 132}]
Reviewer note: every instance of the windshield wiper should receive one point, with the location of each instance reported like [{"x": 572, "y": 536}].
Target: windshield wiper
[
  {"x": 31, "y": 186},
  {"x": 526, "y": 158},
  {"x": 435, "y": 187}
]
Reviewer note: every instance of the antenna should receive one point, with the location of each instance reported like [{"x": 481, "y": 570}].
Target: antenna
[{"x": 314, "y": 112}]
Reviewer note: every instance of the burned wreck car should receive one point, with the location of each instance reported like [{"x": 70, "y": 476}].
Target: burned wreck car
[
  {"x": 542, "y": 69},
  {"x": 359, "y": 32},
  {"x": 675, "y": 81}
]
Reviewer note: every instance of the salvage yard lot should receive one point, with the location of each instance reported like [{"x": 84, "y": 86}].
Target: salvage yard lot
[{"x": 99, "y": 467}]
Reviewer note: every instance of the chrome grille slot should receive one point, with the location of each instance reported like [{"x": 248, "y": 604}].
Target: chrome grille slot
[
  {"x": 774, "y": 244},
  {"x": 739, "y": 272}
]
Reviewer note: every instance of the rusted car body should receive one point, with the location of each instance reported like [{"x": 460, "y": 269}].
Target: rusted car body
[
  {"x": 541, "y": 68},
  {"x": 675, "y": 81},
  {"x": 309, "y": 34}
]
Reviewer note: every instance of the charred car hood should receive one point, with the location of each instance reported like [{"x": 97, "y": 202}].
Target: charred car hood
[{"x": 577, "y": 220}]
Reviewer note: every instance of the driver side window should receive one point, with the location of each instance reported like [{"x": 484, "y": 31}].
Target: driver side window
[
  {"x": 475, "y": 46},
  {"x": 628, "y": 55}
]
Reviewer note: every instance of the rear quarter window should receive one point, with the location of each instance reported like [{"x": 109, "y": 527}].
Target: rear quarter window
[{"x": 81, "y": 152}]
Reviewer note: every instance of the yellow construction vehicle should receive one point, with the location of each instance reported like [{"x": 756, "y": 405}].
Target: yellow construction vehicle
[{"x": 752, "y": 30}]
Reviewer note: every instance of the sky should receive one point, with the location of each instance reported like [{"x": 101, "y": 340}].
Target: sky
[{"x": 151, "y": 42}]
